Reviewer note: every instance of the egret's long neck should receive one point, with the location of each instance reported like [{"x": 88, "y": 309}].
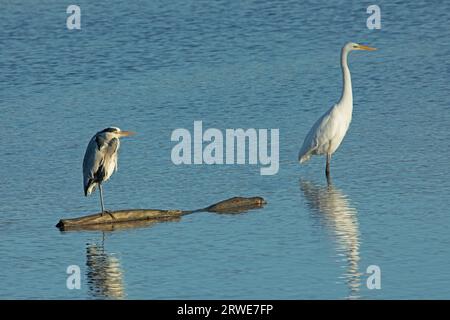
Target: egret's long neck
[{"x": 347, "y": 96}]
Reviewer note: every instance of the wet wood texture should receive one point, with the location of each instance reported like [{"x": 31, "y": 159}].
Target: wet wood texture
[{"x": 143, "y": 217}]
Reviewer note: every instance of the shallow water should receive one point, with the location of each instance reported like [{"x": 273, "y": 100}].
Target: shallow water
[{"x": 153, "y": 67}]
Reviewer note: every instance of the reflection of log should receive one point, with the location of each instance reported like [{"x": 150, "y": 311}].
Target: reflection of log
[
  {"x": 136, "y": 217},
  {"x": 113, "y": 226}
]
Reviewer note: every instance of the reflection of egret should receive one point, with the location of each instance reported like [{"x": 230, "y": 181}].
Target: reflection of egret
[
  {"x": 104, "y": 274},
  {"x": 336, "y": 213}
]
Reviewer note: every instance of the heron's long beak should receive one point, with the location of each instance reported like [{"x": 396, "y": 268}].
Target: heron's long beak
[
  {"x": 126, "y": 133},
  {"x": 361, "y": 47}
]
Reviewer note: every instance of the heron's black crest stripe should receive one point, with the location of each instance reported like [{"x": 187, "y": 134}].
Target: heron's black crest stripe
[{"x": 109, "y": 130}]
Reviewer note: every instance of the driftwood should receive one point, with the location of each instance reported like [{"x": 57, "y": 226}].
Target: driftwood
[
  {"x": 123, "y": 219},
  {"x": 236, "y": 205},
  {"x": 139, "y": 220}
]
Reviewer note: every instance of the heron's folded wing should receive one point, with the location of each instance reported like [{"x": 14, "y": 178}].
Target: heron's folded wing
[
  {"x": 111, "y": 152},
  {"x": 93, "y": 160}
]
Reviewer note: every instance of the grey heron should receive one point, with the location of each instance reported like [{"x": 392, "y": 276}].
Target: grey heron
[
  {"x": 327, "y": 133},
  {"x": 100, "y": 159}
]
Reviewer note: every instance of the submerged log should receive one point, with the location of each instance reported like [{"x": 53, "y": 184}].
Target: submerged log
[
  {"x": 236, "y": 205},
  {"x": 114, "y": 220}
]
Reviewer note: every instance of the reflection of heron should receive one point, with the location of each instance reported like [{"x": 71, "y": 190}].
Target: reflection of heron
[
  {"x": 104, "y": 273},
  {"x": 336, "y": 213},
  {"x": 327, "y": 133}
]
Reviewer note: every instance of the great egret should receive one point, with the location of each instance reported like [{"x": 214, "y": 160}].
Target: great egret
[
  {"x": 327, "y": 133},
  {"x": 100, "y": 159}
]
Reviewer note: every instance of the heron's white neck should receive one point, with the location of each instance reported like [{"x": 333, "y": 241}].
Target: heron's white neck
[{"x": 347, "y": 96}]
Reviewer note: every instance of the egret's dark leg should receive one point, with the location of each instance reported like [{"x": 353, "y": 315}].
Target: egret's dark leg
[
  {"x": 327, "y": 168},
  {"x": 329, "y": 183}
]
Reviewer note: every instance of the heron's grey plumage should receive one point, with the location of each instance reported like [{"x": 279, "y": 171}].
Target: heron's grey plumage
[{"x": 100, "y": 159}]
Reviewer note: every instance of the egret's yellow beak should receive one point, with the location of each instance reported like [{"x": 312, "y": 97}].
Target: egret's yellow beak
[
  {"x": 126, "y": 133},
  {"x": 361, "y": 47}
]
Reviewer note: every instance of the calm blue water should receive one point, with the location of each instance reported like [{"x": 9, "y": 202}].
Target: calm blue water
[{"x": 154, "y": 66}]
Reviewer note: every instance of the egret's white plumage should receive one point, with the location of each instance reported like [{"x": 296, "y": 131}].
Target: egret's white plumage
[
  {"x": 327, "y": 133},
  {"x": 100, "y": 159}
]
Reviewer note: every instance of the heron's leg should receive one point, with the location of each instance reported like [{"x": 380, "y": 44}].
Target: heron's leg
[
  {"x": 327, "y": 168},
  {"x": 101, "y": 201},
  {"x": 101, "y": 197}
]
